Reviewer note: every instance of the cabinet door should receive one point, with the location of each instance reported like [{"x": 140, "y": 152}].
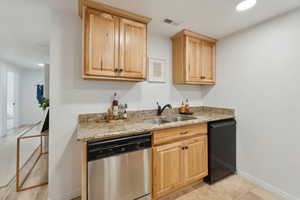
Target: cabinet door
[
  {"x": 208, "y": 61},
  {"x": 101, "y": 43},
  {"x": 167, "y": 168},
  {"x": 193, "y": 56},
  {"x": 133, "y": 44},
  {"x": 195, "y": 159}
]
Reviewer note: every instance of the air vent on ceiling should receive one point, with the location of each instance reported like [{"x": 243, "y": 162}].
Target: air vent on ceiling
[{"x": 171, "y": 22}]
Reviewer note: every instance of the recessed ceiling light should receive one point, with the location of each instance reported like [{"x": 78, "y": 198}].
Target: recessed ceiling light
[
  {"x": 245, "y": 5},
  {"x": 41, "y": 65}
]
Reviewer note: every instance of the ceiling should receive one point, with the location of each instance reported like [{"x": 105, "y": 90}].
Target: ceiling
[
  {"x": 215, "y": 18},
  {"x": 24, "y": 35}
]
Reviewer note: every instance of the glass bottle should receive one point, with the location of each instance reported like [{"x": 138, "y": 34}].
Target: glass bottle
[{"x": 115, "y": 106}]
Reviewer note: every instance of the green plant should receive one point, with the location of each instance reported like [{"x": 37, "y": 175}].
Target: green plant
[{"x": 44, "y": 103}]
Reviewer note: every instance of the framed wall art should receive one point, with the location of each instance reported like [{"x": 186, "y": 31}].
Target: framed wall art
[{"x": 157, "y": 70}]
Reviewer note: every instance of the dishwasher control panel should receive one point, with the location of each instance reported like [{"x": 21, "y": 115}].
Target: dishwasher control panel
[{"x": 112, "y": 147}]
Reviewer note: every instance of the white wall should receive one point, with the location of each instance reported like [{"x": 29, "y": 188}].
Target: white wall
[
  {"x": 30, "y": 111},
  {"x": 46, "y": 80},
  {"x": 71, "y": 96},
  {"x": 258, "y": 74},
  {"x": 27, "y": 108},
  {"x": 2, "y": 101}
]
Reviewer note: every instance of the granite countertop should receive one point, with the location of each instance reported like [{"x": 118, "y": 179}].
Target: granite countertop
[{"x": 90, "y": 129}]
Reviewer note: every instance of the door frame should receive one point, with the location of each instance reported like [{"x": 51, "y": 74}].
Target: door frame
[
  {"x": 3, "y": 103},
  {"x": 14, "y": 93}
]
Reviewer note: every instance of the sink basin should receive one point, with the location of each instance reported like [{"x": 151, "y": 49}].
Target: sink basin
[
  {"x": 156, "y": 121},
  {"x": 168, "y": 120},
  {"x": 178, "y": 119}
]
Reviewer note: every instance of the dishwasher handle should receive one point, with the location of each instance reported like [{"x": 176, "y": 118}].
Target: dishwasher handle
[{"x": 112, "y": 147}]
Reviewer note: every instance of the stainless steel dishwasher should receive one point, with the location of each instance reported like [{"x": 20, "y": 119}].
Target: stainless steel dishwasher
[{"x": 120, "y": 169}]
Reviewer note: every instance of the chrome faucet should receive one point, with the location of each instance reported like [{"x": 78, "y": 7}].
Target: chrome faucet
[{"x": 161, "y": 110}]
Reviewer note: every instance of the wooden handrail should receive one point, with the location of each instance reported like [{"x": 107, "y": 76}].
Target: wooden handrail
[{"x": 19, "y": 187}]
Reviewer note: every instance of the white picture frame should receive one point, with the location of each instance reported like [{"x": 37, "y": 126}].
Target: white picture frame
[{"x": 157, "y": 70}]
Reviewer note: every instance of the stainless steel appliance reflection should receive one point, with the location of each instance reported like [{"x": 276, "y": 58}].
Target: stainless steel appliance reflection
[{"x": 120, "y": 169}]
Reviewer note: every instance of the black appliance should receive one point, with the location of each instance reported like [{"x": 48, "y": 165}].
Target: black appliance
[
  {"x": 46, "y": 123},
  {"x": 221, "y": 150}
]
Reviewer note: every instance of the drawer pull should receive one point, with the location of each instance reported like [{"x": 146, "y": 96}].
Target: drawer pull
[{"x": 184, "y": 133}]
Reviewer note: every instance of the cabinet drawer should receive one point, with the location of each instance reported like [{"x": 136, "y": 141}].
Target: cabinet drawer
[{"x": 174, "y": 134}]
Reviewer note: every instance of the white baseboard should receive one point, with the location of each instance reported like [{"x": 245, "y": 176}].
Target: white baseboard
[
  {"x": 67, "y": 196},
  {"x": 267, "y": 186}
]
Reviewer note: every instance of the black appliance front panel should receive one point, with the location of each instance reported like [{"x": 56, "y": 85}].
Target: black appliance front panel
[{"x": 221, "y": 150}]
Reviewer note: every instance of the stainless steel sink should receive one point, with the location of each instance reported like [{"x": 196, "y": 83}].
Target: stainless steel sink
[
  {"x": 164, "y": 120},
  {"x": 180, "y": 118},
  {"x": 156, "y": 121}
]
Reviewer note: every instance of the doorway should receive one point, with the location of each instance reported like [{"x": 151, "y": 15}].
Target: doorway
[
  {"x": 22, "y": 118},
  {"x": 11, "y": 99},
  {"x": 24, "y": 96}
]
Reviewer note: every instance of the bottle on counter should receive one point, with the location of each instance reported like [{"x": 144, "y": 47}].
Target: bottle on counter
[
  {"x": 115, "y": 106},
  {"x": 120, "y": 111},
  {"x": 125, "y": 116},
  {"x": 109, "y": 114},
  {"x": 187, "y": 106},
  {"x": 182, "y": 108}
]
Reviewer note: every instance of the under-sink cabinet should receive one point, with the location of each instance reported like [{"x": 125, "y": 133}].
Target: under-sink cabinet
[
  {"x": 114, "y": 43},
  {"x": 180, "y": 158}
]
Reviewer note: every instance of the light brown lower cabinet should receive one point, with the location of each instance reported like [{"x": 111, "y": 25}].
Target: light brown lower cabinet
[
  {"x": 178, "y": 164},
  {"x": 195, "y": 159},
  {"x": 167, "y": 168}
]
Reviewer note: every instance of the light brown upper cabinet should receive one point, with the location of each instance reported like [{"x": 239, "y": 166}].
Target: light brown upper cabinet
[
  {"x": 101, "y": 55},
  {"x": 194, "y": 58},
  {"x": 133, "y": 37},
  {"x": 115, "y": 43}
]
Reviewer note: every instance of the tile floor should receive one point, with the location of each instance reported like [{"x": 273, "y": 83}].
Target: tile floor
[{"x": 231, "y": 188}]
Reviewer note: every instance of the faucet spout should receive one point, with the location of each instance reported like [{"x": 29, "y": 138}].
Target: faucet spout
[{"x": 161, "y": 110}]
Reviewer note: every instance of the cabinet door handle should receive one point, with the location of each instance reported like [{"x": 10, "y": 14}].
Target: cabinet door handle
[
  {"x": 118, "y": 70},
  {"x": 202, "y": 77},
  {"x": 101, "y": 64},
  {"x": 184, "y": 133},
  {"x": 184, "y": 148}
]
